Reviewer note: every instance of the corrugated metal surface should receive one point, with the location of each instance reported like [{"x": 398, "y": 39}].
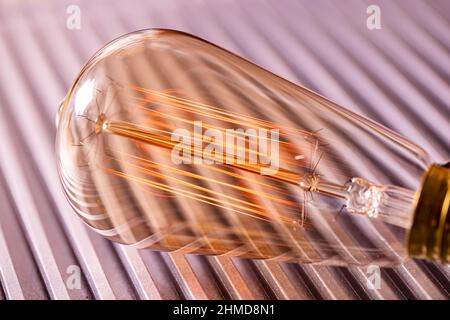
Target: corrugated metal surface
[{"x": 398, "y": 75}]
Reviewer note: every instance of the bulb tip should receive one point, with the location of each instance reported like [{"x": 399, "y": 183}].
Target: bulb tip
[{"x": 58, "y": 113}]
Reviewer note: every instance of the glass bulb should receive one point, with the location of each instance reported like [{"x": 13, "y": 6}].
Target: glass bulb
[{"x": 168, "y": 142}]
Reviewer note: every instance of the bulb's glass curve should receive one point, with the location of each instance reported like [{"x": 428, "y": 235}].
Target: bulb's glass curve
[{"x": 168, "y": 142}]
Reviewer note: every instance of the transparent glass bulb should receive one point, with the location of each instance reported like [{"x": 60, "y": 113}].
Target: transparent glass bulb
[{"x": 168, "y": 142}]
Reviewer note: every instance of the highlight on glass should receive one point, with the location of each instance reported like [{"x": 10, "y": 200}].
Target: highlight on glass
[{"x": 168, "y": 142}]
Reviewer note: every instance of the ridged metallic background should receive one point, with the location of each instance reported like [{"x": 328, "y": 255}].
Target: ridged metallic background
[{"x": 398, "y": 75}]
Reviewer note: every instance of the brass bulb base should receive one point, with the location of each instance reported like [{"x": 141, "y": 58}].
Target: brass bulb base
[{"x": 429, "y": 237}]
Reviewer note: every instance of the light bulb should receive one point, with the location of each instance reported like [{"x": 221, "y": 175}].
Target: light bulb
[{"x": 168, "y": 142}]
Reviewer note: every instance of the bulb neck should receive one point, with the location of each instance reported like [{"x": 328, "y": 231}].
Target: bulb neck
[{"x": 429, "y": 236}]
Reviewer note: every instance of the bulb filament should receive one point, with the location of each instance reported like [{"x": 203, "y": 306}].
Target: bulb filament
[{"x": 360, "y": 195}]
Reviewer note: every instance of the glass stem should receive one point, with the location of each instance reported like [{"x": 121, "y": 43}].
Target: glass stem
[{"x": 391, "y": 204}]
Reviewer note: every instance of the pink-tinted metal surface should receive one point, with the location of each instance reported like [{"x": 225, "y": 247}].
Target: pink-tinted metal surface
[{"x": 398, "y": 75}]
